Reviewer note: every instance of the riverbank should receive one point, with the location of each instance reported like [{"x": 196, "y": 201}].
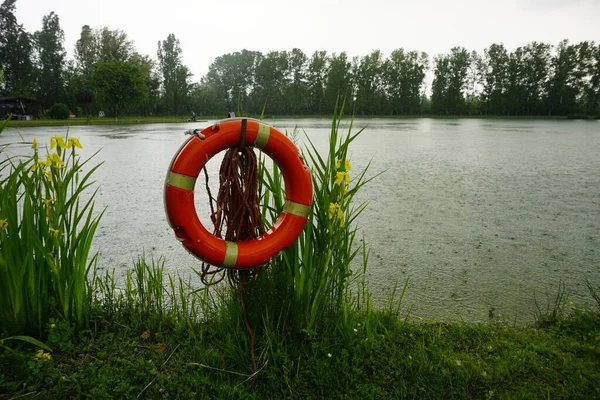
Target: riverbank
[
  {"x": 164, "y": 120},
  {"x": 383, "y": 357},
  {"x": 98, "y": 121}
]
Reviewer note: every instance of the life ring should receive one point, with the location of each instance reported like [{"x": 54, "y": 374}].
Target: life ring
[{"x": 181, "y": 179}]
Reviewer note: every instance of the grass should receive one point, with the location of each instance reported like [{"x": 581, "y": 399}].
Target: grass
[
  {"x": 317, "y": 334},
  {"x": 130, "y": 120},
  {"x": 392, "y": 359},
  {"x": 45, "y": 239},
  {"x": 98, "y": 121}
]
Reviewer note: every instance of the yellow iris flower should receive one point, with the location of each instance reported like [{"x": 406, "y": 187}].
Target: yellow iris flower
[
  {"x": 342, "y": 177},
  {"x": 55, "y": 232},
  {"x": 34, "y": 144},
  {"x": 57, "y": 140},
  {"x": 3, "y": 224},
  {"x": 74, "y": 142},
  {"x": 336, "y": 214},
  {"x": 347, "y": 166},
  {"x": 55, "y": 159}
]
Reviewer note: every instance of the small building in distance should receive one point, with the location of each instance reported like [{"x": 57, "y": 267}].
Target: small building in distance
[{"x": 21, "y": 108}]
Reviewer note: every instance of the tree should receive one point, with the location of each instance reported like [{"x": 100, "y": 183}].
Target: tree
[
  {"x": 493, "y": 70},
  {"x": 113, "y": 45},
  {"x": 16, "y": 51},
  {"x": 233, "y": 77},
  {"x": 338, "y": 79},
  {"x": 271, "y": 79},
  {"x": 369, "y": 84},
  {"x": 403, "y": 76},
  {"x": 51, "y": 59},
  {"x": 175, "y": 86},
  {"x": 296, "y": 92},
  {"x": 120, "y": 84},
  {"x": 316, "y": 81},
  {"x": 450, "y": 82}
]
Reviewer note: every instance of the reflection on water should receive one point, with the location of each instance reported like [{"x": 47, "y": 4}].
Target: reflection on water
[{"x": 480, "y": 214}]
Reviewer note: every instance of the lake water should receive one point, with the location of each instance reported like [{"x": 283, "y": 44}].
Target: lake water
[{"x": 481, "y": 215}]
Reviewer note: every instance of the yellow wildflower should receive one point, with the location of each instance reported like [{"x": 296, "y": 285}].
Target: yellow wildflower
[
  {"x": 342, "y": 177},
  {"x": 46, "y": 163},
  {"x": 34, "y": 144},
  {"x": 329, "y": 355},
  {"x": 355, "y": 330},
  {"x": 3, "y": 224},
  {"x": 336, "y": 213},
  {"x": 55, "y": 159},
  {"x": 42, "y": 356},
  {"x": 47, "y": 202},
  {"x": 57, "y": 140},
  {"x": 55, "y": 232},
  {"x": 49, "y": 175},
  {"x": 74, "y": 142},
  {"x": 52, "y": 326},
  {"x": 347, "y": 166}
]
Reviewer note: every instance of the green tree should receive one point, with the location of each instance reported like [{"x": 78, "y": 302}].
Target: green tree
[
  {"x": 271, "y": 80},
  {"x": 317, "y": 68},
  {"x": 493, "y": 70},
  {"x": 369, "y": 84},
  {"x": 113, "y": 45},
  {"x": 51, "y": 61},
  {"x": 232, "y": 76},
  {"x": 403, "y": 76},
  {"x": 16, "y": 52},
  {"x": 338, "y": 81},
  {"x": 450, "y": 82},
  {"x": 120, "y": 85},
  {"x": 296, "y": 92}
]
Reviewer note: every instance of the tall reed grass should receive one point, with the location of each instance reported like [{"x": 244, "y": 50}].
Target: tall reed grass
[
  {"x": 311, "y": 284},
  {"x": 46, "y": 232}
]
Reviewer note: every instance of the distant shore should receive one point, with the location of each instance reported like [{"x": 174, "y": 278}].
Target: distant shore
[{"x": 165, "y": 120}]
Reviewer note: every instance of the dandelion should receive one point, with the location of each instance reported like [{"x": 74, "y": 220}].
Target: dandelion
[
  {"x": 57, "y": 141},
  {"x": 42, "y": 356},
  {"x": 52, "y": 326},
  {"x": 342, "y": 177},
  {"x": 3, "y": 224},
  {"x": 74, "y": 142},
  {"x": 355, "y": 330},
  {"x": 34, "y": 144},
  {"x": 329, "y": 355}
]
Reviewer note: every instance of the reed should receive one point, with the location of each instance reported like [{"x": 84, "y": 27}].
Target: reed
[
  {"x": 310, "y": 284},
  {"x": 46, "y": 231}
]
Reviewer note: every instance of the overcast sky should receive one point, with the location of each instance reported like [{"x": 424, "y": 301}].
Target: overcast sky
[{"x": 208, "y": 29}]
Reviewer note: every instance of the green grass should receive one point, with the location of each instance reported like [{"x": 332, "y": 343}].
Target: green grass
[
  {"x": 392, "y": 359},
  {"x": 45, "y": 238},
  {"x": 98, "y": 121}
]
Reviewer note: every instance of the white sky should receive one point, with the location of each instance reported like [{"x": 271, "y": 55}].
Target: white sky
[{"x": 207, "y": 29}]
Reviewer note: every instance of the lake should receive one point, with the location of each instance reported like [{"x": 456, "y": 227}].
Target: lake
[{"x": 482, "y": 216}]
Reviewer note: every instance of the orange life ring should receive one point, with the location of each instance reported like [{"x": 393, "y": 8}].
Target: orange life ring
[{"x": 181, "y": 179}]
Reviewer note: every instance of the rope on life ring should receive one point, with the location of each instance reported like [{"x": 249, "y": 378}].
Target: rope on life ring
[{"x": 193, "y": 156}]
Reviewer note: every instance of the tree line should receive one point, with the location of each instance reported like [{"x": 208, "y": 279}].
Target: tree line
[{"x": 107, "y": 73}]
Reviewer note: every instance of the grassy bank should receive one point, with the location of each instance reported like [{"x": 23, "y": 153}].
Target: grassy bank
[
  {"x": 163, "y": 120},
  {"x": 98, "y": 121},
  {"x": 382, "y": 357}
]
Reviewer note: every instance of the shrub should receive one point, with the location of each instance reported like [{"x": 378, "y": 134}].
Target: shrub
[{"x": 59, "y": 111}]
